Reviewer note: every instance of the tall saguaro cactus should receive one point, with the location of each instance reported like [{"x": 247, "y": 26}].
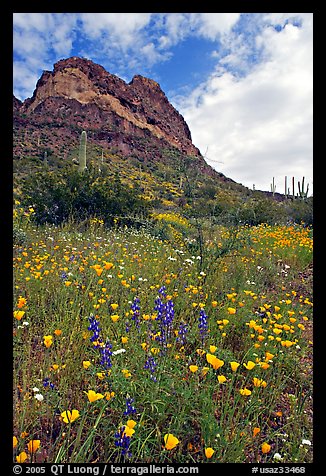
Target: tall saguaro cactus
[
  {"x": 286, "y": 188},
  {"x": 273, "y": 187},
  {"x": 303, "y": 193},
  {"x": 82, "y": 152}
]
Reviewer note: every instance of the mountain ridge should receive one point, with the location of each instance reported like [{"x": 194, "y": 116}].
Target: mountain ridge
[{"x": 76, "y": 87}]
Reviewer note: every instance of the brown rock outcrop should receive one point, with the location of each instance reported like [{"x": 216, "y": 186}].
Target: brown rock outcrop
[{"x": 136, "y": 118}]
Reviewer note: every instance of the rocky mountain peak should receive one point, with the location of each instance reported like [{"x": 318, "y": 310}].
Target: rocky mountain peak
[{"x": 80, "y": 94}]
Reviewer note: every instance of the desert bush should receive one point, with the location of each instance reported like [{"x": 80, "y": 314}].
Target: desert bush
[{"x": 60, "y": 197}]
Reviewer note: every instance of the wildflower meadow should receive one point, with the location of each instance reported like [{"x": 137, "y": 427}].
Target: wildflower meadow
[{"x": 130, "y": 347}]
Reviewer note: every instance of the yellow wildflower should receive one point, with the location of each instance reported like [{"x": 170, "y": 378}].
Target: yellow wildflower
[
  {"x": 234, "y": 366},
  {"x": 48, "y": 341},
  {"x": 221, "y": 378},
  {"x": 249, "y": 365},
  {"x": 170, "y": 441},
  {"x": 33, "y": 446},
  {"x": 209, "y": 452},
  {"x": 22, "y": 457},
  {"x": 265, "y": 447},
  {"x": 245, "y": 391},
  {"x": 70, "y": 416},
  {"x": 193, "y": 368},
  {"x": 93, "y": 396},
  {"x": 214, "y": 361},
  {"x": 18, "y": 315}
]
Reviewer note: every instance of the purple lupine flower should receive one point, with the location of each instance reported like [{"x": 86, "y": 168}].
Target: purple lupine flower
[
  {"x": 135, "y": 315},
  {"x": 105, "y": 355},
  {"x": 123, "y": 441},
  {"x": 105, "y": 350},
  {"x": 203, "y": 325},
  {"x": 95, "y": 327},
  {"x": 130, "y": 409},
  {"x": 162, "y": 291},
  {"x": 150, "y": 365},
  {"x": 169, "y": 314},
  {"x": 48, "y": 383},
  {"x": 165, "y": 315},
  {"x": 183, "y": 330},
  {"x": 159, "y": 307}
]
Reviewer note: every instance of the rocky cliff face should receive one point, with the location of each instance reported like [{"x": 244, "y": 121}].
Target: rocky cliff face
[{"x": 134, "y": 119}]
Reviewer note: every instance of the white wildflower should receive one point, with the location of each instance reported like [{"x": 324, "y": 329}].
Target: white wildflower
[
  {"x": 188, "y": 260},
  {"x": 277, "y": 456},
  {"x": 306, "y": 442},
  {"x": 119, "y": 351}
]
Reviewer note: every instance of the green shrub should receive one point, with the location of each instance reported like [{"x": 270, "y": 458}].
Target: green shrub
[{"x": 59, "y": 197}]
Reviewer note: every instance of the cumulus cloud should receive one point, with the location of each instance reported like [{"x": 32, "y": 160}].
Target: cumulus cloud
[
  {"x": 122, "y": 28},
  {"x": 178, "y": 26},
  {"x": 211, "y": 25},
  {"x": 36, "y": 38},
  {"x": 259, "y": 125},
  {"x": 119, "y": 41}
]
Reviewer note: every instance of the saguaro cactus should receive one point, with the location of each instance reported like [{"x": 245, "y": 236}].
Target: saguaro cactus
[
  {"x": 273, "y": 187},
  {"x": 303, "y": 193},
  {"x": 293, "y": 189},
  {"x": 82, "y": 152},
  {"x": 286, "y": 192}
]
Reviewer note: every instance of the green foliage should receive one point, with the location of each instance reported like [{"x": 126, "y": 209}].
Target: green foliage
[
  {"x": 298, "y": 211},
  {"x": 258, "y": 210},
  {"x": 60, "y": 197},
  {"x": 175, "y": 183}
]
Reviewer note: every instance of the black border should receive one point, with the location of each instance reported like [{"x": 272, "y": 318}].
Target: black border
[{"x": 6, "y": 188}]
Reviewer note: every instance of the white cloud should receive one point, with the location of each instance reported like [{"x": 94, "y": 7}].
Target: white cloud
[
  {"x": 25, "y": 79},
  {"x": 119, "y": 41},
  {"x": 121, "y": 28},
  {"x": 259, "y": 125},
  {"x": 178, "y": 26},
  {"x": 36, "y": 37},
  {"x": 214, "y": 24},
  {"x": 31, "y": 21}
]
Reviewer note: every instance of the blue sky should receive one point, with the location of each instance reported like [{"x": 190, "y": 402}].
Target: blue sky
[{"x": 242, "y": 81}]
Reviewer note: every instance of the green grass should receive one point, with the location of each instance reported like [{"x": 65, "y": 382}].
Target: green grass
[{"x": 245, "y": 283}]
